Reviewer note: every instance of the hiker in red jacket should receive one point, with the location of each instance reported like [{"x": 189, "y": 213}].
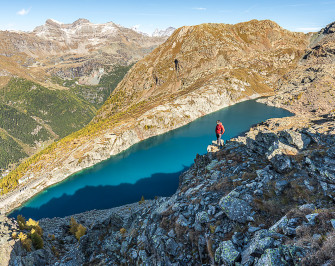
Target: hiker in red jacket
[{"x": 219, "y": 130}]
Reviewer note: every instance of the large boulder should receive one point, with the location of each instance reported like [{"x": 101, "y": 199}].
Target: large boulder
[
  {"x": 226, "y": 253},
  {"x": 299, "y": 140},
  {"x": 283, "y": 255},
  {"x": 236, "y": 209}
]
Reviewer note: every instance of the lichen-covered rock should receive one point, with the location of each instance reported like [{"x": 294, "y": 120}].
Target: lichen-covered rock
[
  {"x": 262, "y": 240},
  {"x": 202, "y": 217},
  {"x": 236, "y": 209},
  {"x": 226, "y": 253},
  {"x": 283, "y": 255},
  {"x": 282, "y": 163},
  {"x": 279, "y": 225}
]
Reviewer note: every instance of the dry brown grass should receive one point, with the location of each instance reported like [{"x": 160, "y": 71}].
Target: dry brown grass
[{"x": 325, "y": 254}]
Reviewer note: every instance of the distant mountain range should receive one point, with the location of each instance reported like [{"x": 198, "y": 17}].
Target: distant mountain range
[
  {"x": 53, "y": 79},
  {"x": 157, "y": 32}
]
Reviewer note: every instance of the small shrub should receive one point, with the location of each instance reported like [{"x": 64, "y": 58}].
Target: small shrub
[
  {"x": 14, "y": 235},
  {"x": 123, "y": 231},
  {"x": 142, "y": 200},
  {"x": 36, "y": 239},
  {"x": 78, "y": 230},
  {"x": 21, "y": 222},
  {"x": 55, "y": 251},
  {"x": 26, "y": 242},
  {"x": 81, "y": 230},
  {"x": 212, "y": 228},
  {"x": 73, "y": 226},
  {"x": 32, "y": 224}
]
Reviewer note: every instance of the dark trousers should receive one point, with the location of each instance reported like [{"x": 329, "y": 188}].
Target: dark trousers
[{"x": 218, "y": 137}]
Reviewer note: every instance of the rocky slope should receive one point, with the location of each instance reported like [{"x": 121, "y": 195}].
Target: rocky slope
[
  {"x": 265, "y": 198},
  {"x": 310, "y": 87},
  {"x": 198, "y": 70}
]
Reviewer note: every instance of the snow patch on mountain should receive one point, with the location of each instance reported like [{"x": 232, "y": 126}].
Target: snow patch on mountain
[{"x": 163, "y": 33}]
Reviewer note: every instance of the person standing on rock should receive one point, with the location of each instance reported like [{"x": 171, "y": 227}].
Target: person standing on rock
[{"x": 219, "y": 130}]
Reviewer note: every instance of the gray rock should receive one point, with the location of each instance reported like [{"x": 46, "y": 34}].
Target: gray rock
[
  {"x": 279, "y": 225},
  {"x": 261, "y": 241},
  {"x": 172, "y": 247},
  {"x": 202, "y": 217},
  {"x": 253, "y": 229},
  {"x": 70, "y": 239},
  {"x": 271, "y": 257},
  {"x": 226, "y": 253},
  {"x": 212, "y": 165},
  {"x": 198, "y": 227},
  {"x": 283, "y": 255},
  {"x": 300, "y": 140},
  {"x": 281, "y": 163},
  {"x": 236, "y": 209},
  {"x": 332, "y": 221},
  {"x": 258, "y": 192},
  {"x": 289, "y": 231},
  {"x": 311, "y": 218},
  {"x": 317, "y": 237},
  {"x": 281, "y": 186},
  {"x": 237, "y": 239}
]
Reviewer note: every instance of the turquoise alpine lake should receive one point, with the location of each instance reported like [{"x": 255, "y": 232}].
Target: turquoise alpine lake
[{"x": 149, "y": 168}]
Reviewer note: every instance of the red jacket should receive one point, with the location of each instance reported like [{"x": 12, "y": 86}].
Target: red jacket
[{"x": 219, "y": 129}]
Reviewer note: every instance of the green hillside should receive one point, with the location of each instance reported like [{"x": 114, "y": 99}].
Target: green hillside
[
  {"x": 31, "y": 113},
  {"x": 61, "y": 109},
  {"x": 10, "y": 151}
]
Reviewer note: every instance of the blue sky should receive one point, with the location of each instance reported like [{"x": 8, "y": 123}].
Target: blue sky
[{"x": 295, "y": 15}]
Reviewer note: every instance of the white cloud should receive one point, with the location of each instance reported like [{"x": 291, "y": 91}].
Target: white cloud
[
  {"x": 199, "y": 8},
  {"x": 309, "y": 29},
  {"x": 23, "y": 11}
]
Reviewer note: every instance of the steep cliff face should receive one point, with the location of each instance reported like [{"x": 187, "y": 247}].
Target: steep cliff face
[{"x": 198, "y": 70}]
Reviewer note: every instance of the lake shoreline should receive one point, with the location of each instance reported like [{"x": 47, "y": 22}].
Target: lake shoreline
[
  {"x": 16, "y": 199},
  {"x": 73, "y": 185}
]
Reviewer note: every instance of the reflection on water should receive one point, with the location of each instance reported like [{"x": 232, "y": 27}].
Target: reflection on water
[{"x": 155, "y": 162}]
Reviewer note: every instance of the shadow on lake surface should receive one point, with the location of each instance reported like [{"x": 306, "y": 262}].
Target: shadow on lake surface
[
  {"x": 149, "y": 168},
  {"x": 103, "y": 197}
]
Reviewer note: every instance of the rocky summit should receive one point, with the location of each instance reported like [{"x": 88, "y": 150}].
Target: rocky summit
[{"x": 264, "y": 198}]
